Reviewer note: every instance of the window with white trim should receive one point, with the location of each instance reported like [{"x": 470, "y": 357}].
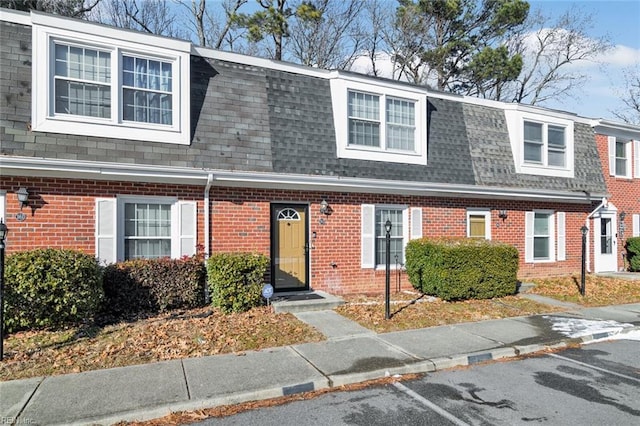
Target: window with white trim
[
  {"x": 373, "y": 233},
  {"x": 541, "y": 144},
  {"x": 620, "y": 157},
  {"x": 379, "y": 122},
  {"x": 545, "y": 239},
  {"x": 396, "y": 236},
  {"x": 144, "y": 227},
  {"x": 109, "y": 84},
  {"x": 479, "y": 224}
]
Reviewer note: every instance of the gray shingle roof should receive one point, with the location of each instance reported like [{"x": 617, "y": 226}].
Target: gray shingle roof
[{"x": 247, "y": 118}]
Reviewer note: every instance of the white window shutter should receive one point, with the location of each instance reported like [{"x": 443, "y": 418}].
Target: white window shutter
[
  {"x": 528, "y": 241},
  {"x": 562, "y": 252},
  {"x": 612, "y": 155},
  {"x": 187, "y": 220},
  {"x": 636, "y": 157},
  {"x": 106, "y": 241},
  {"x": 416, "y": 222},
  {"x": 367, "y": 235},
  {"x": 635, "y": 225}
]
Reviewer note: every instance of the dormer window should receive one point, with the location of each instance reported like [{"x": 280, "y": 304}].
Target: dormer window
[
  {"x": 109, "y": 85},
  {"x": 379, "y": 122},
  {"x": 542, "y": 144}
]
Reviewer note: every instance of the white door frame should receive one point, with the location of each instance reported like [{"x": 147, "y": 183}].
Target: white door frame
[{"x": 605, "y": 262}]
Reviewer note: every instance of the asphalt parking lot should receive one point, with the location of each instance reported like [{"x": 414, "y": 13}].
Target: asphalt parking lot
[{"x": 592, "y": 385}]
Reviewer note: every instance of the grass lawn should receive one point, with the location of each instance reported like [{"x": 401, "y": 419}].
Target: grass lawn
[
  {"x": 205, "y": 331},
  {"x": 600, "y": 291}
]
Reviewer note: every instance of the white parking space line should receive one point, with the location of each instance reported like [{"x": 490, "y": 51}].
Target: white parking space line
[
  {"x": 431, "y": 405},
  {"x": 584, "y": 364}
]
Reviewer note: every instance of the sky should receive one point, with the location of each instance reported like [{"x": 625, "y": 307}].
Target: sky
[{"x": 620, "y": 21}]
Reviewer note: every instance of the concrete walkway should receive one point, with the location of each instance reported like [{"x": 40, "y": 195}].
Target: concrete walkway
[{"x": 350, "y": 354}]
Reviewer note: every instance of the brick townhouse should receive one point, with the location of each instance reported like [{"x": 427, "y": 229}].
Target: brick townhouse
[{"x": 129, "y": 145}]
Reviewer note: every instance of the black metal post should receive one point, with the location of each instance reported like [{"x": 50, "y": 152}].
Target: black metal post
[
  {"x": 1, "y": 296},
  {"x": 584, "y": 231},
  {"x": 387, "y": 291}
]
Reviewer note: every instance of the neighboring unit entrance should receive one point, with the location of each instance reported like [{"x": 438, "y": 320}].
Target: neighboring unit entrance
[
  {"x": 605, "y": 242},
  {"x": 289, "y": 247}
]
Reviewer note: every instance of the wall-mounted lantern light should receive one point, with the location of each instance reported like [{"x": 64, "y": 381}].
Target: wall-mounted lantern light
[
  {"x": 23, "y": 197},
  {"x": 622, "y": 216},
  {"x": 502, "y": 214},
  {"x": 325, "y": 208}
]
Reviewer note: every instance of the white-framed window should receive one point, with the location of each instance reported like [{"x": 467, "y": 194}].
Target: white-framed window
[
  {"x": 620, "y": 150},
  {"x": 479, "y": 223},
  {"x": 541, "y": 144},
  {"x": 379, "y": 122},
  {"x": 130, "y": 227},
  {"x": 545, "y": 239},
  {"x": 117, "y": 84},
  {"x": 373, "y": 233}
]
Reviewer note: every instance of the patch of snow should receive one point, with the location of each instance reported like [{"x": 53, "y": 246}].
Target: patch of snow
[{"x": 578, "y": 327}]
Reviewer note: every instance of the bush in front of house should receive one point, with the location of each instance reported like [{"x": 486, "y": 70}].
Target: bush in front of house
[
  {"x": 459, "y": 269},
  {"x": 51, "y": 288},
  {"x": 236, "y": 280},
  {"x": 154, "y": 285},
  {"x": 633, "y": 253}
]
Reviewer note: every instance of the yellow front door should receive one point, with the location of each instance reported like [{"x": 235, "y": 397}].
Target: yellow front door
[{"x": 290, "y": 247}]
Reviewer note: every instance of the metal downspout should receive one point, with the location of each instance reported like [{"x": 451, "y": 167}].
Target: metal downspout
[{"x": 207, "y": 216}]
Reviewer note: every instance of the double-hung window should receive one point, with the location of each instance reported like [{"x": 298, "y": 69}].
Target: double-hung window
[
  {"x": 130, "y": 227},
  {"x": 379, "y": 122},
  {"x": 396, "y": 236},
  {"x": 392, "y": 127},
  {"x": 373, "y": 233},
  {"x": 620, "y": 150},
  {"x": 108, "y": 85},
  {"x": 545, "y": 239},
  {"x": 544, "y": 144}
]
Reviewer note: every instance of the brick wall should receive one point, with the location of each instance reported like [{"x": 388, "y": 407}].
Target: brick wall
[
  {"x": 64, "y": 216},
  {"x": 624, "y": 194}
]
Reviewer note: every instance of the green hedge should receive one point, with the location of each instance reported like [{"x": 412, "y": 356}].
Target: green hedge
[
  {"x": 51, "y": 288},
  {"x": 459, "y": 269},
  {"x": 154, "y": 285},
  {"x": 236, "y": 280},
  {"x": 633, "y": 253}
]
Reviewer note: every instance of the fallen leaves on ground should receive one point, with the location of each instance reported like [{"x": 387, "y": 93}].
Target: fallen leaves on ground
[
  {"x": 174, "y": 335},
  {"x": 419, "y": 311},
  {"x": 599, "y": 290}
]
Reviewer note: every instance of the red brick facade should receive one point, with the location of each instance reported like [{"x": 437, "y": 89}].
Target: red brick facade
[
  {"x": 64, "y": 216},
  {"x": 624, "y": 194}
]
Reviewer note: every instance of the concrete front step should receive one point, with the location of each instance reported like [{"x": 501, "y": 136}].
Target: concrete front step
[{"x": 305, "y": 301}]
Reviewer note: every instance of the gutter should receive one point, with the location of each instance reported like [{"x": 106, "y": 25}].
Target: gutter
[{"x": 17, "y": 166}]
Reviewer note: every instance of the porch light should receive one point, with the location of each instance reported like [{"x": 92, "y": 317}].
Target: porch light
[
  {"x": 622, "y": 216},
  {"x": 324, "y": 207},
  {"x": 23, "y": 197},
  {"x": 502, "y": 214}
]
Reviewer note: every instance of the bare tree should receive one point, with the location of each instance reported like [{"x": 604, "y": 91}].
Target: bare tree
[
  {"x": 151, "y": 16},
  {"x": 548, "y": 49},
  {"x": 630, "y": 97},
  {"x": 71, "y": 8},
  {"x": 331, "y": 41}
]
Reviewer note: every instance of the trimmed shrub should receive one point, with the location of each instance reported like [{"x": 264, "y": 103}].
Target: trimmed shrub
[
  {"x": 51, "y": 288},
  {"x": 154, "y": 285},
  {"x": 633, "y": 253},
  {"x": 459, "y": 269},
  {"x": 236, "y": 280}
]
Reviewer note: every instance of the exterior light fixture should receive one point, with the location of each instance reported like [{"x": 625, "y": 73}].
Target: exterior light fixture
[
  {"x": 387, "y": 278},
  {"x": 622, "y": 216},
  {"x": 3, "y": 235},
  {"x": 502, "y": 214},
  {"x": 324, "y": 207},
  {"x": 23, "y": 197}
]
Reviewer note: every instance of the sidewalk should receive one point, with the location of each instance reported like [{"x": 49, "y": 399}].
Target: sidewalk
[{"x": 350, "y": 354}]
